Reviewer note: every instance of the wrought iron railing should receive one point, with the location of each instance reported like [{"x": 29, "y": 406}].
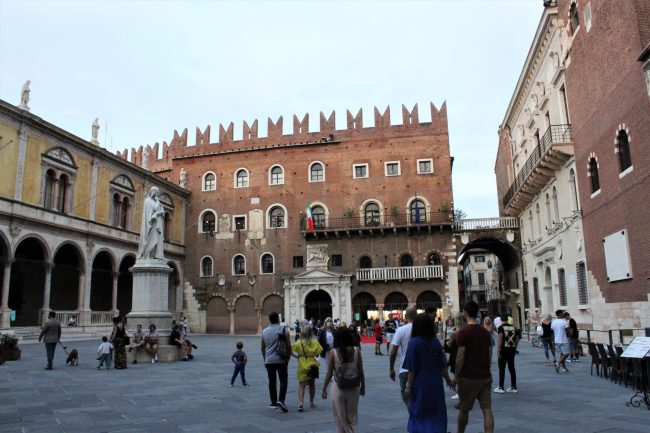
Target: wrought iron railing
[
  {"x": 497, "y": 223},
  {"x": 554, "y": 134},
  {"x": 101, "y": 317},
  {"x": 374, "y": 221},
  {"x": 400, "y": 273}
]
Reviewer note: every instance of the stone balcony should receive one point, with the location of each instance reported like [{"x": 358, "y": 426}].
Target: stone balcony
[
  {"x": 400, "y": 273},
  {"x": 554, "y": 149}
]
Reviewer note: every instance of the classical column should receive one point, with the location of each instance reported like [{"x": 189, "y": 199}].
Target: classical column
[
  {"x": 231, "y": 312},
  {"x": 48, "y": 283},
  {"x": 4, "y": 306},
  {"x": 114, "y": 293},
  {"x": 81, "y": 291},
  {"x": 55, "y": 195},
  {"x": 380, "y": 311},
  {"x": 259, "y": 319}
]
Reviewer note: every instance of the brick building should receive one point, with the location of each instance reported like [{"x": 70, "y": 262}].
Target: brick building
[{"x": 381, "y": 201}]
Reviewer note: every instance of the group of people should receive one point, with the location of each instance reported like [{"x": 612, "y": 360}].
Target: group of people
[{"x": 560, "y": 335}]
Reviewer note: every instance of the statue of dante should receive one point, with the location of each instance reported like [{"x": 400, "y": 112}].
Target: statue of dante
[
  {"x": 95, "y": 129},
  {"x": 151, "y": 232},
  {"x": 24, "y": 94}
]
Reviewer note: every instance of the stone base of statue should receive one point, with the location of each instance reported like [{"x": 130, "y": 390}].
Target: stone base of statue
[
  {"x": 150, "y": 283},
  {"x": 24, "y": 107}
]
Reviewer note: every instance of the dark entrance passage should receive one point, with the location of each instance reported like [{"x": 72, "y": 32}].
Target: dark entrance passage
[
  {"x": 101, "y": 283},
  {"x": 125, "y": 286},
  {"x": 362, "y": 303},
  {"x": 318, "y": 305},
  {"x": 395, "y": 303},
  {"x": 172, "y": 287},
  {"x": 64, "y": 294},
  {"x": 27, "y": 283}
]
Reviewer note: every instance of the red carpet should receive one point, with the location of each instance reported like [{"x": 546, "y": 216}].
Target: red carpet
[{"x": 371, "y": 340}]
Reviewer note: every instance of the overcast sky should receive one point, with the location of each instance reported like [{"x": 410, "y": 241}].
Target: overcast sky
[{"x": 146, "y": 68}]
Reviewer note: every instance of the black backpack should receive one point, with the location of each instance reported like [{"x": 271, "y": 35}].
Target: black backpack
[
  {"x": 347, "y": 373},
  {"x": 281, "y": 347}
]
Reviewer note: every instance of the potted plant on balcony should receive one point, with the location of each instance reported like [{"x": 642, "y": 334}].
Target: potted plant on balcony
[
  {"x": 348, "y": 212},
  {"x": 445, "y": 207},
  {"x": 394, "y": 213}
]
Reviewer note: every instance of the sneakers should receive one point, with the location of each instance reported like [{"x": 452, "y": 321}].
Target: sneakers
[
  {"x": 557, "y": 367},
  {"x": 283, "y": 407},
  {"x": 232, "y": 385},
  {"x": 513, "y": 390},
  {"x": 499, "y": 390},
  {"x": 245, "y": 384},
  {"x": 273, "y": 406},
  {"x": 565, "y": 370},
  {"x": 135, "y": 361},
  {"x": 454, "y": 397},
  {"x": 153, "y": 360},
  {"x": 156, "y": 358}
]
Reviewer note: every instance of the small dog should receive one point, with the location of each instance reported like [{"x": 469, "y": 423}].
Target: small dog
[{"x": 73, "y": 358}]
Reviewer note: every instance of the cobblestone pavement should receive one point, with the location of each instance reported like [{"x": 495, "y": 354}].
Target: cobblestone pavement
[{"x": 195, "y": 397}]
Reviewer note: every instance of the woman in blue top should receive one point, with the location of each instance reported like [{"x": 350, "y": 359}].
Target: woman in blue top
[{"x": 427, "y": 365}]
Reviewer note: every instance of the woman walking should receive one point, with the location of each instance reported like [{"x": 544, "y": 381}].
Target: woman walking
[
  {"x": 427, "y": 366},
  {"x": 547, "y": 338},
  {"x": 306, "y": 350},
  {"x": 346, "y": 365},
  {"x": 117, "y": 338}
]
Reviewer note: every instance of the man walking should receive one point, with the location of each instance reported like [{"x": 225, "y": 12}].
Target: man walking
[
  {"x": 472, "y": 370},
  {"x": 559, "y": 327},
  {"x": 400, "y": 342},
  {"x": 391, "y": 326},
  {"x": 276, "y": 351},
  {"x": 507, "y": 349},
  {"x": 51, "y": 335}
]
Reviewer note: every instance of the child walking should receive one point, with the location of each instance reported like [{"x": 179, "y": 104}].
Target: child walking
[
  {"x": 104, "y": 353},
  {"x": 240, "y": 359}
]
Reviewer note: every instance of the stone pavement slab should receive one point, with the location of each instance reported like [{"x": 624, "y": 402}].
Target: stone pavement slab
[{"x": 195, "y": 397}]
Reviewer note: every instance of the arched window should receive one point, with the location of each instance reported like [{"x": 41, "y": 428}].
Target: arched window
[
  {"x": 117, "y": 205},
  {"x": 573, "y": 189},
  {"x": 124, "y": 213},
  {"x": 623, "y": 149},
  {"x": 371, "y": 215},
  {"x": 49, "y": 189},
  {"x": 539, "y": 220},
  {"x": 434, "y": 259},
  {"x": 208, "y": 222},
  {"x": 167, "y": 231},
  {"x": 573, "y": 17},
  {"x": 238, "y": 265},
  {"x": 593, "y": 175},
  {"x": 365, "y": 262},
  {"x": 267, "y": 264},
  {"x": 418, "y": 211},
  {"x": 318, "y": 215},
  {"x": 406, "y": 260},
  {"x": 276, "y": 175},
  {"x": 556, "y": 207},
  {"x": 549, "y": 219},
  {"x": 63, "y": 191},
  {"x": 209, "y": 182},
  {"x": 241, "y": 178},
  {"x": 276, "y": 217},
  {"x": 206, "y": 266},
  {"x": 316, "y": 172},
  {"x": 530, "y": 222}
]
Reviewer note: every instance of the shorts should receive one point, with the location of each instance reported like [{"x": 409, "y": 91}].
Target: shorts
[
  {"x": 378, "y": 339},
  {"x": 470, "y": 390},
  {"x": 389, "y": 336},
  {"x": 563, "y": 348}
]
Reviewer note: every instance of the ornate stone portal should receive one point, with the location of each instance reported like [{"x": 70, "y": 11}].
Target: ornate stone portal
[{"x": 297, "y": 288}]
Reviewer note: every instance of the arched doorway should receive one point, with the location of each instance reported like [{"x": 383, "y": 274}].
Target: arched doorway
[
  {"x": 172, "y": 287},
  {"x": 27, "y": 282},
  {"x": 548, "y": 291},
  {"x": 318, "y": 305},
  {"x": 125, "y": 286},
  {"x": 396, "y": 303},
  {"x": 362, "y": 304},
  {"x": 4, "y": 256},
  {"x": 101, "y": 283},
  {"x": 64, "y": 292},
  {"x": 273, "y": 303},
  {"x": 217, "y": 316},
  {"x": 429, "y": 299},
  {"x": 245, "y": 316}
]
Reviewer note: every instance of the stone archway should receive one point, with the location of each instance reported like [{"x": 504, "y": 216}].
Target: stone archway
[
  {"x": 217, "y": 316},
  {"x": 125, "y": 285},
  {"x": 101, "y": 283},
  {"x": 318, "y": 305},
  {"x": 27, "y": 284},
  {"x": 273, "y": 303},
  {"x": 172, "y": 288},
  {"x": 361, "y": 304},
  {"x": 245, "y": 315},
  {"x": 64, "y": 291}
]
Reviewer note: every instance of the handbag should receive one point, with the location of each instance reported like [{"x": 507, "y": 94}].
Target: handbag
[
  {"x": 313, "y": 371},
  {"x": 539, "y": 331},
  {"x": 127, "y": 340}
]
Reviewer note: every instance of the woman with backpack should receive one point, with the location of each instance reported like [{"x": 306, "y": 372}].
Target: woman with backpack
[
  {"x": 346, "y": 365},
  {"x": 306, "y": 350},
  {"x": 427, "y": 365}
]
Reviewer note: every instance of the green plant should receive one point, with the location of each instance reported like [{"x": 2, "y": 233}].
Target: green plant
[
  {"x": 348, "y": 212},
  {"x": 394, "y": 210},
  {"x": 444, "y": 206}
]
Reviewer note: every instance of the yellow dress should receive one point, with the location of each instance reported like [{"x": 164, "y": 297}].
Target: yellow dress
[{"x": 307, "y": 357}]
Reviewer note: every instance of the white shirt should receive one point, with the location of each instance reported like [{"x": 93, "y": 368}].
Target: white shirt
[
  {"x": 329, "y": 338},
  {"x": 401, "y": 340},
  {"x": 559, "y": 329},
  {"x": 105, "y": 348}
]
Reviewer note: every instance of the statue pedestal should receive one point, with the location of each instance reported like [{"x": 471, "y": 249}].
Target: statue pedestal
[{"x": 150, "y": 283}]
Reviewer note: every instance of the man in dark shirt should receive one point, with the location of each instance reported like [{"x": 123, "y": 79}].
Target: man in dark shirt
[
  {"x": 390, "y": 325},
  {"x": 51, "y": 335},
  {"x": 472, "y": 370},
  {"x": 574, "y": 338},
  {"x": 507, "y": 349}
]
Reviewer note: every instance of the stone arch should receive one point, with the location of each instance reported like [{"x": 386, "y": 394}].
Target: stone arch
[
  {"x": 428, "y": 298},
  {"x": 217, "y": 315},
  {"x": 68, "y": 265},
  {"x": 273, "y": 302},
  {"x": 425, "y": 212},
  {"x": 172, "y": 287},
  {"x": 101, "y": 281},
  {"x": 27, "y": 280},
  {"x": 245, "y": 315},
  {"x": 395, "y": 301},
  {"x": 125, "y": 284},
  {"x": 318, "y": 304},
  {"x": 41, "y": 240},
  {"x": 362, "y": 303},
  {"x": 371, "y": 220}
]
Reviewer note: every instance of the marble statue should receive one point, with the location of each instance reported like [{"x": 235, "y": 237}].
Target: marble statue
[
  {"x": 182, "y": 182},
  {"x": 24, "y": 95},
  {"x": 95, "y": 131},
  {"x": 151, "y": 231},
  {"x": 145, "y": 159}
]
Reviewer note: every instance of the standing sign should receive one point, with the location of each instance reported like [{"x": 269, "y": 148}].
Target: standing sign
[{"x": 638, "y": 348}]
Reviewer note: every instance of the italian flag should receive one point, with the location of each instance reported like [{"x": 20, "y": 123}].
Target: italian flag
[{"x": 310, "y": 220}]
